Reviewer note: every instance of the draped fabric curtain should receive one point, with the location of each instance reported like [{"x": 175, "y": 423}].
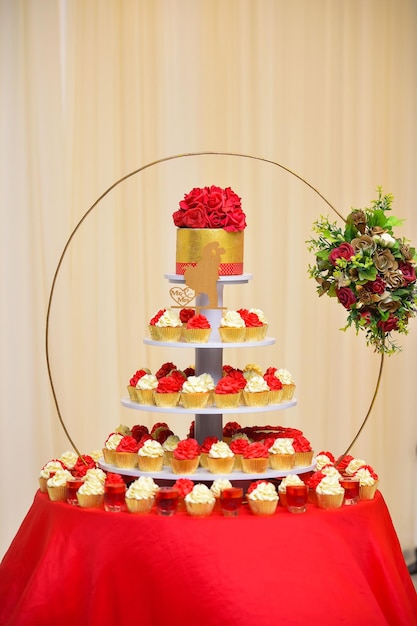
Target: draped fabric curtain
[{"x": 91, "y": 92}]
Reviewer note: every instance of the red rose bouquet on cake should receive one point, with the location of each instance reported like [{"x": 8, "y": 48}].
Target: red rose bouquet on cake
[{"x": 211, "y": 207}]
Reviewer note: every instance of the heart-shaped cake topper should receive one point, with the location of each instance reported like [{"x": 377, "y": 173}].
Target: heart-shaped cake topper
[{"x": 182, "y": 295}]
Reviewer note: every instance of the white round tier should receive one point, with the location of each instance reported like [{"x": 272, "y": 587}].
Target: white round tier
[
  {"x": 268, "y": 341},
  {"x": 204, "y": 475},
  {"x": 231, "y": 280},
  {"x": 209, "y": 410}
]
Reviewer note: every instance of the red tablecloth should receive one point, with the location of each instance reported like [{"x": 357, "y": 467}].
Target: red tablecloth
[{"x": 70, "y": 566}]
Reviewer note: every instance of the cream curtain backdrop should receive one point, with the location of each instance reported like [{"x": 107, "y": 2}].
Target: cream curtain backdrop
[{"x": 92, "y": 91}]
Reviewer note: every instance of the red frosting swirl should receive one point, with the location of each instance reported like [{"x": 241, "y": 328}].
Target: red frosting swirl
[
  {"x": 207, "y": 443},
  {"x": 230, "y": 429},
  {"x": 144, "y": 438},
  {"x": 238, "y": 446},
  {"x": 127, "y": 444},
  {"x": 113, "y": 479},
  {"x": 156, "y": 317},
  {"x": 251, "y": 319},
  {"x": 329, "y": 456},
  {"x": 158, "y": 425},
  {"x": 343, "y": 463},
  {"x": 83, "y": 464},
  {"x": 315, "y": 479},
  {"x": 256, "y": 450},
  {"x": 138, "y": 431},
  {"x": 228, "y": 384},
  {"x": 253, "y": 485},
  {"x": 165, "y": 369},
  {"x": 370, "y": 470},
  {"x": 198, "y": 321},
  {"x": 162, "y": 434},
  {"x": 187, "y": 449},
  {"x": 169, "y": 384},
  {"x": 301, "y": 444},
  {"x": 137, "y": 376},
  {"x": 184, "y": 486},
  {"x": 186, "y": 314},
  {"x": 273, "y": 382}
]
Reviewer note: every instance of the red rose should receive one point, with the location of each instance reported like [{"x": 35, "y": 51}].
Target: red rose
[
  {"x": 271, "y": 370},
  {"x": 377, "y": 285},
  {"x": 184, "y": 486},
  {"x": 198, "y": 321},
  {"x": 170, "y": 384},
  {"x": 217, "y": 219},
  {"x": 388, "y": 325},
  {"x": 114, "y": 479},
  {"x": 301, "y": 444},
  {"x": 163, "y": 435},
  {"x": 238, "y": 376},
  {"x": 228, "y": 384},
  {"x": 344, "y": 251},
  {"x": 158, "y": 425},
  {"x": 346, "y": 297},
  {"x": 235, "y": 221},
  {"x": 238, "y": 445},
  {"x": 185, "y": 315},
  {"x": 178, "y": 217},
  {"x": 273, "y": 382},
  {"x": 84, "y": 463},
  {"x": 408, "y": 272},
  {"x": 256, "y": 450},
  {"x": 196, "y": 218},
  {"x": 230, "y": 429},
  {"x": 187, "y": 449},
  {"x": 127, "y": 444},
  {"x": 138, "y": 431},
  {"x": 189, "y": 371},
  {"x": 165, "y": 369}
]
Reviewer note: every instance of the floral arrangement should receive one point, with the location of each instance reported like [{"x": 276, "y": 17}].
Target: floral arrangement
[
  {"x": 371, "y": 272},
  {"x": 210, "y": 207}
]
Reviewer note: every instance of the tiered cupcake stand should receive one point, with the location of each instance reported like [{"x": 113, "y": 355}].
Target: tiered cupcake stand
[{"x": 209, "y": 421}]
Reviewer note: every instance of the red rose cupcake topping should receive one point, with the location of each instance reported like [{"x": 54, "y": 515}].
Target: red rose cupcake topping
[
  {"x": 127, "y": 444},
  {"x": 165, "y": 369},
  {"x": 230, "y": 429},
  {"x": 228, "y": 384},
  {"x": 198, "y": 321},
  {"x": 84, "y": 463},
  {"x": 301, "y": 444},
  {"x": 138, "y": 431},
  {"x": 186, "y": 314},
  {"x": 273, "y": 382},
  {"x": 256, "y": 450},
  {"x": 170, "y": 384},
  {"x": 187, "y": 449},
  {"x": 207, "y": 443},
  {"x": 238, "y": 446},
  {"x": 184, "y": 486},
  {"x": 113, "y": 479},
  {"x": 251, "y": 319}
]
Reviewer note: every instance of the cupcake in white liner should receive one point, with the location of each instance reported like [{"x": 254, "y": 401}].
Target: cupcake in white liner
[
  {"x": 330, "y": 493},
  {"x": 291, "y": 479},
  {"x": 200, "y": 501},
  {"x": 69, "y": 459},
  {"x": 140, "y": 495},
  {"x": 151, "y": 456},
  {"x": 232, "y": 327},
  {"x": 282, "y": 454},
  {"x": 263, "y": 500},
  {"x": 57, "y": 485},
  {"x": 220, "y": 459}
]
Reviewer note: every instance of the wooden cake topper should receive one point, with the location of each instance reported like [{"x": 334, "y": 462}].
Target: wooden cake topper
[{"x": 203, "y": 276}]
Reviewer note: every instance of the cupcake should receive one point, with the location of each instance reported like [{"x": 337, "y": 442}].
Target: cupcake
[
  {"x": 255, "y": 458},
  {"x": 353, "y": 465},
  {"x": 276, "y": 392},
  {"x": 57, "y": 485},
  {"x": 197, "y": 329},
  {"x": 256, "y": 391},
  {"x": 195, "y": 392},
  {"x": 169, "y": 326},
  {"x": 291, "y": 479},
  {"x": 140, "y": 496},
  {"x": 186, "y": 457},
  {"x": 368, "y": 482},
  {"x": 150, "y": 456},
  {"x": 205, "y": 449},
  {"x": 232, "y": 327},
  {"x": 312, "y": 483},
  {"x": 168, "y": 447},
  {"x": 126, "y": 453},
  {"x": 47, "y": 471},
  {"x": 230, "y": 429},
  {"x": 227, "y": 393},
  {"x": 253, "y": 325},
  {"x": 69, "y": 459},
  {"x": 84, "y": 463},
  {"x": 186, "y": 314},
  {"x": 282, "y": 454},
  {"x": 167, "y": 392},
  {"x": 145, "y": 388},
  {"x": 138, "y": 430},
  {"x": 110, "y": 446},
  {"x": 329, "y": 493},
  {"x": 263, "y": 499},
  {"x": 303, "y": 451},
  {"x": 91, "y": 493},
  {"x": 323, "y": 459},
  {"x": 133, "y": 382},
  {"x": 343, "y": 463},
  {"x": 238, "y": 447},
  {"x": 220, "y": 459},
  {"x": 96, "y": 473},
  {"x": 152, "y": 327},
  {"x": 217, "y": 487},
  {"x": 183, "y": 486},
  {"x": 288, "y": 384},
  {"x": 262, "y": 318},
  {"x": 200, "y": 501}
]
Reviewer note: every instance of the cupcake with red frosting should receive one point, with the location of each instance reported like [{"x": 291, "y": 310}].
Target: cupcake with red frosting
[
  {"x": 238, "y": 446},
  {"x": 186, "y": 457},
  {"x": 183, "y": 486},
  {"x": 368, "y": 482},
  {"x": 262, "y": 318},
  {"x": 227, "y": 392},
  {"x": 205, "y": 449},
  {"x": 168, "y": 390},
  {"x": 276, "y": 391},
  {"x": 255, "y": 458},
  {"x": 263, "y": 498},
  {"x": 126, "y": 453},
  {"x": 254, "y": 328},
  {"x": 152, "y": 327},
  {"x": 197, "y": 329},
  {"x": 131, "y": 388},
  {"x": 303, "y": 451}
]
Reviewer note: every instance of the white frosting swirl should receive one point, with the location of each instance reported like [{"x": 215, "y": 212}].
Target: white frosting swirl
[
  {"x": 200, "y": 494},
  {"x": 264, "y": 491},
  {"x": 285, "y": 376},
  {"x": 142, "y": 489},
  {"x": 169, "y": 319},
  {"x": 50, "y": 468},
  {"x": 208, "y": 381},
  {"x": 232, "y": 319},
  {"x": 197, "y": 384},
  {"x": 113, "y": 441},
  {"x": 170, "y": 443},
  {"x": 321, "y": 461},
  {"x": 96, "y": 455},
  {"x": 59, "y": 479},
  {"x": 218, "y": 485},
  {"x": 260, "y": 314},
  {"x": 291, "y": 479},
  {"x": 354, "y": 465},
  {"x": 69, "y": 458},
  {"x": 151, "y": 448},
  {"x": 255, "y": 384},
  {"x": 331, "y": 471},
  {"x": 329, "y": 485},
  {"x": 92, "y": 487},
  {"x": 148, "y": 382},
  {"x": 95, "y": 473},
  {"x": 282, "y": 445},
  {"x": 365, "y": 477},
  {"x": 220, "y": 450}
]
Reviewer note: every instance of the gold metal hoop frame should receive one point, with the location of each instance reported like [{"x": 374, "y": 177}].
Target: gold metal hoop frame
[{"x": 94, "y": 206}]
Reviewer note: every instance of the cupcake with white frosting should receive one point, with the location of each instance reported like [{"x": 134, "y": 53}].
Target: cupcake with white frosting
[
  {"x": 330, "y": 493},
  {"x": 151, "y": 456},
  {"x": 169, "y": 326},
  {"x": 145, "y": 388},
  {"x": 263, "y": 499},
  {"x": 220, "y": 459},
  {"x": 232, "y": 327},
  {"x": 140, "y": 496},
  {"x": 282, "y": 454},
  {"x": 200, "y": 501},
  {"x": 91, "y": 493},
  {"x": 291, "y": 479},
  {"x": 256, "y": 391},
  {"x": 57, "y": 485},
  {"x": 195, "y": 392}
]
